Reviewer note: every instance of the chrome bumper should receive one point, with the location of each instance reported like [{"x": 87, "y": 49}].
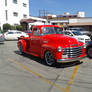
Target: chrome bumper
[{"x": 69, "y": 60}]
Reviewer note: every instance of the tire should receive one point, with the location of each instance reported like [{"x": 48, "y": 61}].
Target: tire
[
  {"x": 21, "y": 50},
  {"x": 49, "y": 58},
  {"x": 89, "y": 52}
]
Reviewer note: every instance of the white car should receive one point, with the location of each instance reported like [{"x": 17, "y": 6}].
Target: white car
[
  {"x": 78, "y": 35},
  {"x": 14, "y": 34}
]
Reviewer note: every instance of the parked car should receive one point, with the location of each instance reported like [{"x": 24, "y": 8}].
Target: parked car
[
  {"x": 78, "y": 35},
  {"x": 1, "y": 38},
  {"x": 14, "y": 34},
  {"x": 89, "y": 49},
  {"x": 49, "y": 43},
  {"x": 82, "y": 30}
]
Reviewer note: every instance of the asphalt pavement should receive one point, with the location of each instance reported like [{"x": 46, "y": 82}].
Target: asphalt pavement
[{"x": 26, "y": 73}]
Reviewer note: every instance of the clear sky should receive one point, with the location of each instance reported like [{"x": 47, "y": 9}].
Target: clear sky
[{"x": 61, "y": 6}]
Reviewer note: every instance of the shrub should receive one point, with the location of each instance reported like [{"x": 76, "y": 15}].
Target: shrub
[
  {"x": 6, "y": 26},
  {"x": 12, "y": 27},
  {"x": 19, "y": 27}
]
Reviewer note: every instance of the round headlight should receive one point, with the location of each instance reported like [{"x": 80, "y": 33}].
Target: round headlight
[{"x": 59, "y": 49}]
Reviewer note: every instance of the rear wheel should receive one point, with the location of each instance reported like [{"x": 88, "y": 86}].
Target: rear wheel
[
  {"x": 89, "y": 52},
  {"x": 49, "y": 58}
]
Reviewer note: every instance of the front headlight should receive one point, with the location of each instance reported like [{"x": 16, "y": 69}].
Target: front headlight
[{"x": 59, "y": 49}]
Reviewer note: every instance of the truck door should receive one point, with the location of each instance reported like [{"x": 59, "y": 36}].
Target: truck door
[{"x": 35, "y": 41}]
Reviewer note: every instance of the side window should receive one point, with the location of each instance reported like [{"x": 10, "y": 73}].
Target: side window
[
  {"x": 10, "y": 33},
  {"x": 18, "y": 33},
  {"x": 36, "y": 32}
]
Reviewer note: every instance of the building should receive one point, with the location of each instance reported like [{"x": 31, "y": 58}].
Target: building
[
  {"x": 63, "y": 19},
  {"x": 85, "y": 23},
  {"x": 12, "y": 11},
  {"x": 67, "y": 20}
]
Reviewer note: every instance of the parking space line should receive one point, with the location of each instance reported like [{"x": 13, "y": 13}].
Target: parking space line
[
  {"x": 36, "y": 74},
  {"x": 70, "y": 82}
]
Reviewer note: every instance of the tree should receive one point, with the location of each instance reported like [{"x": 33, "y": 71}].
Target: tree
[
  {"x": 6, "y": 26},
  {"x": 19, "y": 27}
]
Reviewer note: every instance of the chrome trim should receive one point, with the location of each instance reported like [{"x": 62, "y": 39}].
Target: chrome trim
[
  {"x": 69, "y": 60},
  {"x": 73, "y": 52}
]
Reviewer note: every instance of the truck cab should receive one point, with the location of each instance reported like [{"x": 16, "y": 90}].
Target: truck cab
[{"x": 49, "y": 43}]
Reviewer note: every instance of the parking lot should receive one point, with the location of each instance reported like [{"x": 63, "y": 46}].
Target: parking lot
[{"x": 29, "y": 74}]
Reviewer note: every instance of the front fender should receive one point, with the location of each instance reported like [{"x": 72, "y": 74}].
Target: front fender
[{"x": 46, "y": 47}]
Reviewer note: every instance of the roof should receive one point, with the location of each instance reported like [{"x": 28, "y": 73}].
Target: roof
[
  {"x": 27, "y": 20},
  {"x": 32, "y": 19}
]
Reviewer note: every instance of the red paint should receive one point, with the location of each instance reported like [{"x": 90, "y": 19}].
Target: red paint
[{"x": 38, "y": 45}]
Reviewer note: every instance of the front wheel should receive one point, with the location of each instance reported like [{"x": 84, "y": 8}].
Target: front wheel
[
  {"x": 89, "y": 52},
  {"x": 49, "y": 58}
]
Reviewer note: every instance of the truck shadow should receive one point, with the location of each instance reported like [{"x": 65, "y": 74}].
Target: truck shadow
[{"x": 57, "y": 65}]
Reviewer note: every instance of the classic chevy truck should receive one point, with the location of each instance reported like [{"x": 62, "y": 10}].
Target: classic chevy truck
[{"x": 49, "y": 43}]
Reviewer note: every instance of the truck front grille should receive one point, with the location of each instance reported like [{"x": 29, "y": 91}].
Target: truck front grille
[{"x": 72, "y": 52}]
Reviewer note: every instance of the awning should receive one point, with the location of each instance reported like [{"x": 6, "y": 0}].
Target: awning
[
  {"x": 27, "y": 20},
  {"x": 81, "y": 24}
]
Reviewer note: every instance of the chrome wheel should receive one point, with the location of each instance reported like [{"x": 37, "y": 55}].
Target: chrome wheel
[
  {"x": 90, "y": 52},
  {"x": 49, "y": 59}
]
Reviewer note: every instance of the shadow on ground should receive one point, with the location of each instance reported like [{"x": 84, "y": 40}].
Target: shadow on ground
[
  {"x": 1, "y": 43},
  {"x": 57, "y": 65}
]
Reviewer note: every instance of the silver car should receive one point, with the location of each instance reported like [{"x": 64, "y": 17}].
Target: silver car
[{"x": 1, "y": 38}]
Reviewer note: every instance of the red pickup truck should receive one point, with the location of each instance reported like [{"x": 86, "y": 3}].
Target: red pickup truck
[{"x": 49, "y": 43}]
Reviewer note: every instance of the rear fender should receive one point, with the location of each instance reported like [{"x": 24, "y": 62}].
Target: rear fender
[{"x": 23, "y": 43}]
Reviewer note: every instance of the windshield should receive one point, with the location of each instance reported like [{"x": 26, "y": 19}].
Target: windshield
[
  {"x": 52, "y": 30},
  {"x": 77, "y": 29},
  {"x": 77, "y": 33}
]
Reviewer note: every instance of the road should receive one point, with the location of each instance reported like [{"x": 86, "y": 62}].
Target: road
[{"x": 29, "y": 74}]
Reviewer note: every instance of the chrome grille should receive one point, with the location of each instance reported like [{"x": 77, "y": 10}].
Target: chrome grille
[{"x": 72, "y": 52}]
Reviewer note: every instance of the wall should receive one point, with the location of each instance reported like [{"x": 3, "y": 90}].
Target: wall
[{"x": 11, "y": 8}]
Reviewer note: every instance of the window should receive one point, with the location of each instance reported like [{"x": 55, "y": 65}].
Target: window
[
  {"x": 24, "y": 5},
  {"x": 52, "y": 30},
  {"x": 5, "y": 2},
  {"x": 6, "y": 15},
  {"x": 10, "y": 32},
  {"x": 24, "y": 16},
  {"x": 15, "y": 14},
  {"x": 36, "y": 32},
  {"x": 18, "y": 33},
  {"x": 15, "y": 1}
]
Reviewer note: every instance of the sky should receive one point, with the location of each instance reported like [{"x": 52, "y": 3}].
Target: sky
[{"x": 60, "y": 6}]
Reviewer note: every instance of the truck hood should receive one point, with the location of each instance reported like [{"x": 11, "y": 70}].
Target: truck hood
[{"x": 62, "y": 40}]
